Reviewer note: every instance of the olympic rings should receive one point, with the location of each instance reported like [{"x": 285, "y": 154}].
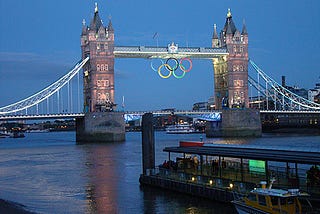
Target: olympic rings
[
  {"x": 172, "y": 65},
  {"x": 152, "y": 67},
  {"x": 161, "y": 75}
]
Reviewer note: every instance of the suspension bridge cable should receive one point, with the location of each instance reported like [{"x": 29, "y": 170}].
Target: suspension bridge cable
[
  {"x": 284, "y": 92},
  {"x": 43, "y": 94}
]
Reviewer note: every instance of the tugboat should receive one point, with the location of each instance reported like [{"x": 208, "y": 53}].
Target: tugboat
[{"x": 267, "y": 200}]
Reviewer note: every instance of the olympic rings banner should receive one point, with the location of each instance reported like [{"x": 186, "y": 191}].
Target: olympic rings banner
[{"x": 176, "y": 67}]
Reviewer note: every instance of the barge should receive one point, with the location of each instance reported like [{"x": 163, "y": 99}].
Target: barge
[{"x": 225, "y": 173}]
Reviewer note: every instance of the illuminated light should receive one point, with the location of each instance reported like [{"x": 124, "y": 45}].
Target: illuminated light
[
  {"x": 210, "y": 182},
  {"x": 231, "y": 185},
  {"x": 193, "y": 179},
  {"x": 256, "y": 166}
]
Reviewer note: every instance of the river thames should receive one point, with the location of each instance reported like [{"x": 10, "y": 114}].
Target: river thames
[{"x": 49, "y": 173}]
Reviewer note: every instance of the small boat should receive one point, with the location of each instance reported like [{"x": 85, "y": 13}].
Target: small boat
[
  {"x": 183, "y": 128},
  {"x": 273, "y": 201},
  {"x": 190, "y": 143}
]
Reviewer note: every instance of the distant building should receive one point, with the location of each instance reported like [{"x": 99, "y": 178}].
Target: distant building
[
  {"x": 295, "y": 89},
  {"x": 209, "y": 105},
  {"x": 314, "y": 93},
  {"x": 200, "y": 106}
]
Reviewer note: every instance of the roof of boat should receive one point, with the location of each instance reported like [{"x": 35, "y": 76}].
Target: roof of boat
[
  {"x": 278, "y": 192},
  {"x": 292, "y": 156}
]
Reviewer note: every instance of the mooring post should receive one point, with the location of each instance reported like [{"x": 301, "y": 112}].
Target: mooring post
[{"x": 148, "y": 150}]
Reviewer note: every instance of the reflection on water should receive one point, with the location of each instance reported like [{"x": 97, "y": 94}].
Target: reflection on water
[{"x": 48, "y": 172}]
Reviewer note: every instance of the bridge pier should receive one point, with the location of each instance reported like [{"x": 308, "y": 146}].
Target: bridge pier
[
  {"x": 100, "y": 127},
  {"x": 236, "y": 123}
]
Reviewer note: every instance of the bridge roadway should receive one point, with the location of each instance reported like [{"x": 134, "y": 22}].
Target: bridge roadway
[
  {"x": 167, "y": 112},
  {"x": 167, "y": 52},
  {"x": 75, "y": 115}
]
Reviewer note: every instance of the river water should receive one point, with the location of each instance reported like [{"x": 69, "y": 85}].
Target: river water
[{"x": 49, "y": 173}]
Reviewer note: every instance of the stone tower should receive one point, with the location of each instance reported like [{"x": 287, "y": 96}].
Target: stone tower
[
  {"x": 231, "y": 72},
  {"x": 97, "y": 42}
]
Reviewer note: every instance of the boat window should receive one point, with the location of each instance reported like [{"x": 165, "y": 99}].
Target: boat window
[
  {"x": 282, "y": 201},
  {"x": 290, "y": 200},
  {"x": 262, "y": 200},
  {"x": 252, "y": 197},
  {"x": 274, "y": 200}
]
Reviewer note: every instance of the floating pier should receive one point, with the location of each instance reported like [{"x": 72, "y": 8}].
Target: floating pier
[{"x": 222, "y": 173}]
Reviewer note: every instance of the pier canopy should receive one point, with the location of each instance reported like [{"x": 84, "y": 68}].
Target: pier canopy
[{"x": 301, "y": 157}]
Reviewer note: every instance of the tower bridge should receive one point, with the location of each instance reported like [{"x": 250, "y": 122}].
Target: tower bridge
[{"x": 230, "y": 59}]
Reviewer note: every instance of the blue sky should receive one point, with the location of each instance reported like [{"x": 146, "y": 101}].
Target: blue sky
[{"x": 40, "y": 41}]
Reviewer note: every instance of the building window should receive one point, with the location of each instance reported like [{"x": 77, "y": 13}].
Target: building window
[
  {"x": 103, "y": 83},
  {"x": 237, "y": 68},
  {"x": 238, "y": 83},
  {"x": 102, "y": 67}
]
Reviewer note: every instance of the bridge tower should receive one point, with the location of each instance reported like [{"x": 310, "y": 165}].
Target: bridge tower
[
  {"x": 231, "y": 72},
  {"x": 97, "y": 42},
  {"x": 231, "y": 84},
  {"x": 100, "y": 123}
]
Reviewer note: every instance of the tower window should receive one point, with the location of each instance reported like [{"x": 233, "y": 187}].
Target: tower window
[
  {"x": 238, "y": 83},
  {"x": 102, "y": 67}
]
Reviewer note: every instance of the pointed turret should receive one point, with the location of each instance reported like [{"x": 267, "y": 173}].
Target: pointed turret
[
  {"x": 215, "y": 35},
  {"x": 244, "y": 28},
  {"x": 84, "y": 27},
  {"x": 229, "y": 27},
  {"x": 215, "y": 38},
  {"x": 96, "y": 22},
  {"x": 110, "y": 27}
]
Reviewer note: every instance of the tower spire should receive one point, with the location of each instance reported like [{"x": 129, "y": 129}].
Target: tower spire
[
  {"x": 215, "y": 34},
  {"x": 96, "y": 7},
  {"x": 244, "y": 28},
  {"x": 229, "y": 15},
  {"x": 110, "y": 28}
]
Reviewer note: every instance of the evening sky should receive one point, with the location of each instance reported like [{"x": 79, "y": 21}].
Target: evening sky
[{"x": 40, "y": 42}]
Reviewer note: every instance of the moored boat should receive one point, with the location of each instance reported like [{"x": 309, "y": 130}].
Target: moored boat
[
  {"x": 190, "y": 143},
  {"x": 184, "y": 128},
  {"x": 273, "y": 201}
]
